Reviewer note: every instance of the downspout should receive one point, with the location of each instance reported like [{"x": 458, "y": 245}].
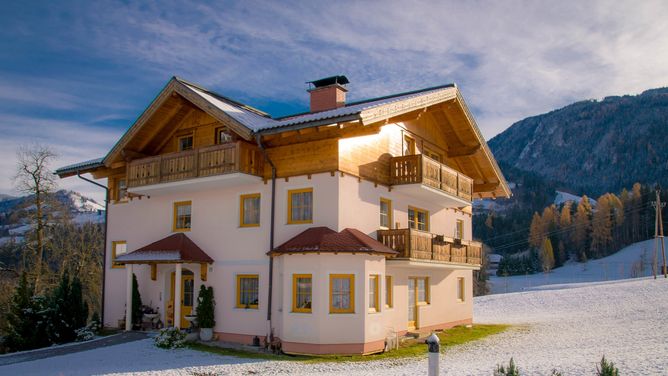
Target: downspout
[
  {"x": 258, "y": 138},
  {"x": 104, "y": 253}
]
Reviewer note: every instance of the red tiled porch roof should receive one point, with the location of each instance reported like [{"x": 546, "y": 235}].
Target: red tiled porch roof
[
  {"x": 324, "y": 239},
  {"x": 174, "y": 248}
]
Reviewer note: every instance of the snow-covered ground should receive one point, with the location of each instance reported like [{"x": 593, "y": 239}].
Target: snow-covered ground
[
  {"x": 633, "y": 261},
  {"x": 568, "y": 329}
]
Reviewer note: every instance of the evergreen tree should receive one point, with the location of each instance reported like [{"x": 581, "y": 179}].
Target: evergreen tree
[
  {"x": 69, "y": 311},
  {"x": 137, "y": 313},
  {"x": 26, "y": 319}
]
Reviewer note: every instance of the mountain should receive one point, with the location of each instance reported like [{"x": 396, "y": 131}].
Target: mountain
[
  {"x": 593, "y": 146},
  {"x": 14, "y": 212}
]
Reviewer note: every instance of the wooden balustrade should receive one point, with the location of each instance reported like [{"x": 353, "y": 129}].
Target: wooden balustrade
[
  {"x": 200, "y": 162},
  {"x": 418, "y": 168},
  {"x": 422, "y": 245}
]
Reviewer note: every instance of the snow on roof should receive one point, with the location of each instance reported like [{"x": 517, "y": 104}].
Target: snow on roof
[{"x": 80, "y": 166}]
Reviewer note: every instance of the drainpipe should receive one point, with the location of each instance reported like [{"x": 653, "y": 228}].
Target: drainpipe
[
  {"x": 104, "y": 253},
  {"x": 258, "y": 138}
]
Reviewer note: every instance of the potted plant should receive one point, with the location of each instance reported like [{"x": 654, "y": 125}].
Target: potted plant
[{"x": 205, "y": 313}]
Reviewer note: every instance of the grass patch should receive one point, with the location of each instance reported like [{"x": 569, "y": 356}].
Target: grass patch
[{"x": 411, "y": 348}]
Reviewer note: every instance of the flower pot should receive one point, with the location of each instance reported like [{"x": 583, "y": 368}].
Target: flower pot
[{"x": 205, "y": 334}]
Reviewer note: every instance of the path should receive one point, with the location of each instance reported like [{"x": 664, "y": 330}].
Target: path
[{"x": 27, "y": 356}]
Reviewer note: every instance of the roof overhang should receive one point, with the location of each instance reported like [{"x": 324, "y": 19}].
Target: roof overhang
[{"x": 176, "y": 248}]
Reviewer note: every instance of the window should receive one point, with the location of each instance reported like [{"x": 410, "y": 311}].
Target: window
[
  {"x": 432, "y": 154},
  {"x": 223, "y": 136},
  {"x": 418, "y": 219},
  {"x": 409, "y": 145},
  {"x": 247, "y": 290},
  {"x": 389, "y": 303},
  {"x": 118, "y": 248},
  {"x": 249, "y": 211},
  {"x": 459, "y": 229},
  {"x": 461, "y": 289},
  {"x": 422, "y": 290},
  {"x": 182, "y": 216},
  {"x": 300, "y": 206},
  {"x": 121, "y": 189},
  {"x": 341, "y": 293},
  {"x": 373, "y": 293},
  {"x": 185, "y": 142},
  {"x": 385, "y": 213},
  {"x": 301, "y": 293}
]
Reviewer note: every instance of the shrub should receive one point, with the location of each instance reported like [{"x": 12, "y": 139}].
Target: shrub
[
  {"x": 170, "y": 338},
  {"x": 205, "y": 307},
  {"x": 606, "y": 368},
  {"x": 84, "y": 334},
  {"x": 512, "y": 370}
]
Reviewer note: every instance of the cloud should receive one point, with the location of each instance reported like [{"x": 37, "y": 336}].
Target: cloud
[{"x": 511, "y": 59}]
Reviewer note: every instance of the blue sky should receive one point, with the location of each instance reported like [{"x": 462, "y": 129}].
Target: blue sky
[{"x": 76, "y": 74}]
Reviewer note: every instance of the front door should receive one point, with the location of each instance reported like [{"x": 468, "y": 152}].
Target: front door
[
  {"x": 187, "y": 296},
  {"x": 412, "y": 303}
]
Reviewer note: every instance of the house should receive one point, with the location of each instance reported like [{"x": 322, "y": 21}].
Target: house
[
  {"x": 494, "y": 260},
  {"x": 334, "y": 229}
]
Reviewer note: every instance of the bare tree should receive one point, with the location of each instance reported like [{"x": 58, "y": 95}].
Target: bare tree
[{"x": 35, "y": 178}]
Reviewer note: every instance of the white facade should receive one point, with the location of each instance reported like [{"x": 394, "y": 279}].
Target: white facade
[{"x": 339, "y": 201}]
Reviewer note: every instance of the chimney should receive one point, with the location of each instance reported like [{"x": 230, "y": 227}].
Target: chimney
[{"x": 328, "y": 93}]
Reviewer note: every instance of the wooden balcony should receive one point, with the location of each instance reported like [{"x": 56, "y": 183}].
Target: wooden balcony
[
  {"x": 424, "y": 246},
  {"x": 238, "y": 157},
  {"x": 420, "y": 169}
]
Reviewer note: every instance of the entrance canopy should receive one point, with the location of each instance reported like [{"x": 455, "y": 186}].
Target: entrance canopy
[{"x": 177, "y": 248}]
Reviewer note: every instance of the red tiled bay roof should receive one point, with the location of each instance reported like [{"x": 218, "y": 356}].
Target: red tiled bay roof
[
  {"x": 174, "y": 248},
  {"x": 324, "y": 239}
]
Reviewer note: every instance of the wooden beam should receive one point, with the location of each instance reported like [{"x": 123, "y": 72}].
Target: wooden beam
[
  {"x": 154, "y": 272},
  {"x": 485, "y": 187},
  {"x": 129, "y": 155},
  {"x": 172, "y": 125},
  {"x": 463, "y": 151},
  {"x": 120, "y": 164},
  {"x": 203, "y": 270}
]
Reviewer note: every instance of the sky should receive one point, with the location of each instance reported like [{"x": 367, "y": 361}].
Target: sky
[{"x": 74, "y": 75}]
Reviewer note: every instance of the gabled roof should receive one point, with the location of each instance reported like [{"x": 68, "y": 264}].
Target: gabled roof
[
  {"x": 326, "y": 240},
  {"x": 174, "y": 248}
]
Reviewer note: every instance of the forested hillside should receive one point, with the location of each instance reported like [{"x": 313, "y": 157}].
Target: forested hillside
[{"x": 593, "y": 146}]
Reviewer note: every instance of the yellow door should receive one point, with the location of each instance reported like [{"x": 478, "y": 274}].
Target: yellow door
[
  {"x": 187, "y": 297},
  {"x": 412, "y": 303}
]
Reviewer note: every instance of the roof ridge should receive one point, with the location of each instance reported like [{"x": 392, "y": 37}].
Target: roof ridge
[
  {"x": 224, "y": 98},
  {"x": 362, "y": 101}
]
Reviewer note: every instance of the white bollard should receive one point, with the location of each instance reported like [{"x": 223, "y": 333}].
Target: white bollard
[{"x": 434, "y": 351}]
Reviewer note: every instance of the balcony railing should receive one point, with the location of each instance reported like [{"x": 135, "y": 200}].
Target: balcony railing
[
  {"x": 420, "y": 169},
  {"x": 421, "y": 245},
  {"x": 201, "y": 162}
]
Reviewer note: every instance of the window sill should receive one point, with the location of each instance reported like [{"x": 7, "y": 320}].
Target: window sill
[
  {"x": 302, "y": 312},
  {"x": 247, "y": 226},
  {"x": 181, "y": 230}
]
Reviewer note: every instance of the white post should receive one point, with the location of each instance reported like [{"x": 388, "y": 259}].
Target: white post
[
  {"x": 177, "y": 296},
  {"x": 434, "y": 351},
  {"x": 128, "y": 297}
]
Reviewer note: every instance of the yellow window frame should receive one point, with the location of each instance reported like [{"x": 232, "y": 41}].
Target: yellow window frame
[
  {"x": 351, "y": 278},
  {"x": 427, "y": 291},
  {"x": 247, "y": 276},
  {"x": 415, "y": 222},
  {"x": 374, "y": 282},
  {"x": 113, "y": 253},
  {"x": 459, "y": 228},
  {"x": 295, "y": 278},
  {"x": 242, "y": 198},
  {"x": 389, "y": 292},
  {"x": 389, "y": 211},
  {"x": 176, "y": 211},
  {"x": 461, "y": 289},
  {"x": 292, "y": 221}
]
